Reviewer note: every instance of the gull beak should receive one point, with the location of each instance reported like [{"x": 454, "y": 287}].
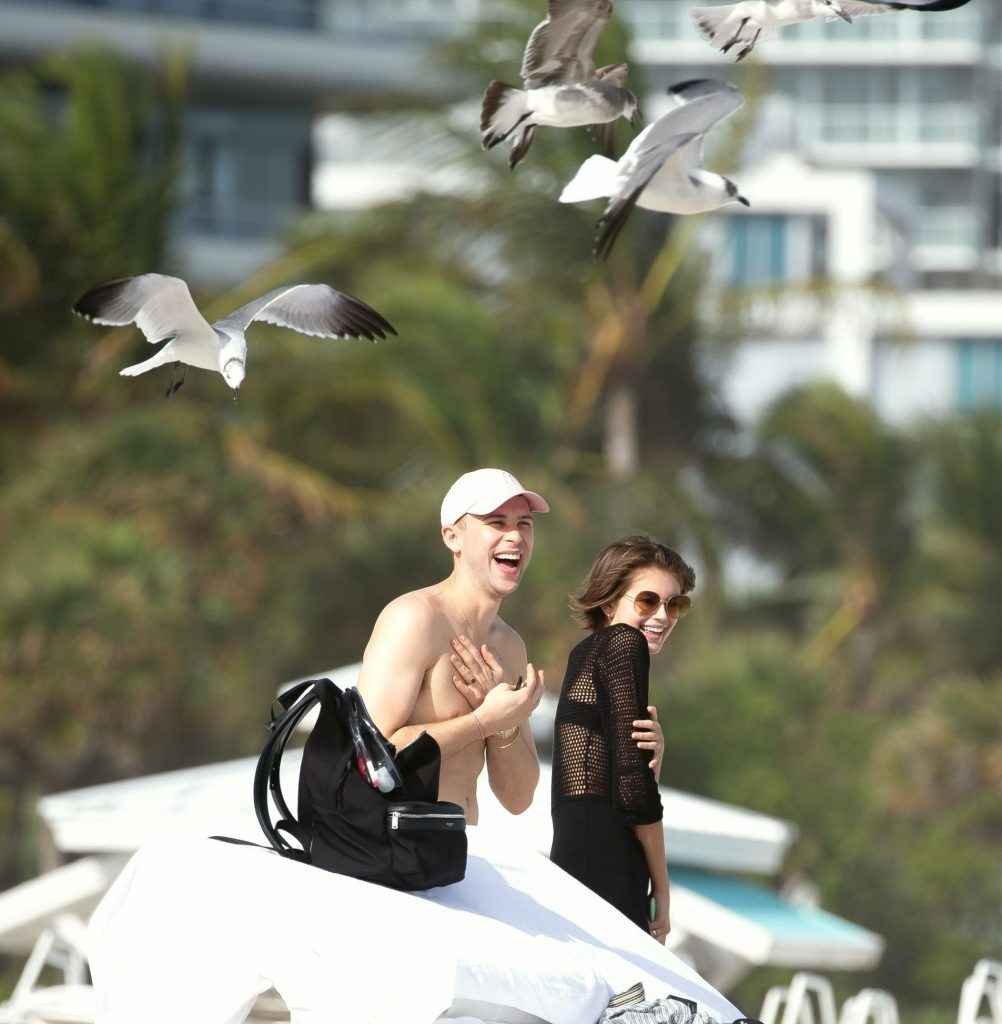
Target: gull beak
[
  {"x": 743, "y": 201},
  {"x": 842, "y": 14}
]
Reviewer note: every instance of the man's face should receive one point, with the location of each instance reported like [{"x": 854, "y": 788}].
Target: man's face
[{"x": 496, "y": 547}]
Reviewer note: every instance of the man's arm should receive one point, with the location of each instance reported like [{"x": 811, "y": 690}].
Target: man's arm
[
  {"x": 394, "y": 664},
  {"x": 512, "y": 764}
]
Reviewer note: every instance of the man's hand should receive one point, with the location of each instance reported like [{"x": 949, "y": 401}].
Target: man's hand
[
  {"x": 475, "y": 671},
  {"x": 649, "y": 736},
  {"x": 505, "y": 707}
]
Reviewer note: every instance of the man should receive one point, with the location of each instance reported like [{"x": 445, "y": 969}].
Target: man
[{"x": 441, "y": 660}]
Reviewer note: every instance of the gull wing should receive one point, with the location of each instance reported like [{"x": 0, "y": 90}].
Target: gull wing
[
  {"x": 314, "y": 309},
  {"x": 697, "y": 106},
  {"x": 855, "y": 8},
  {"x": 626, "y": 194},
  {"x": 860, "y": 8},
  {"x": 160, "y": 306},
  {"x": 562, "y": 46}
]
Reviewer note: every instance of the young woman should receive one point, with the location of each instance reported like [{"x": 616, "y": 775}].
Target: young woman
[{"x": 608, "y": 744}]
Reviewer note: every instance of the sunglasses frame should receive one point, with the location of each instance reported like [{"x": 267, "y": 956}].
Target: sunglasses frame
[{"x": 681, "y": 603}]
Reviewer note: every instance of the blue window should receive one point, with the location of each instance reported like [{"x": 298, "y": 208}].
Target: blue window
[
  {"x": 758, "y": 249},
  {"x": 979, "y": 374}
]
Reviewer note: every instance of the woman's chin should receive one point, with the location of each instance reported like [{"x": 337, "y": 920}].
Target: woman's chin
[{"x": 655, "y": 643}]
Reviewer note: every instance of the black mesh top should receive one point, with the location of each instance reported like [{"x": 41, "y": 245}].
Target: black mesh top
[{"x": 604, "y": 690}]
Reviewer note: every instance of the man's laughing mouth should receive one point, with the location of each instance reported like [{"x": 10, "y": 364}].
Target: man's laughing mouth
[{"x": 509, "y": 562}]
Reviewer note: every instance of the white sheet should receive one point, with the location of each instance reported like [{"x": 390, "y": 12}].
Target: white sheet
[{"x": 195, "y": 930}]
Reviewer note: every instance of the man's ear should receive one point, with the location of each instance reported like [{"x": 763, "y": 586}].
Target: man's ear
[{"x": 451, "y": 537}]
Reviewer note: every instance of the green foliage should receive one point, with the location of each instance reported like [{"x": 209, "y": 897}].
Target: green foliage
[{"x": 164, "y": 564}]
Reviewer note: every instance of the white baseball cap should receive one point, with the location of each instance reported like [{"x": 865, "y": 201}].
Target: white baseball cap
[{"x": 484, "y": 490}]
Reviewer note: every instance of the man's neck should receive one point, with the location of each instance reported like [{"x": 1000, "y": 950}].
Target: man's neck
[{"x": 474, "y": 607}]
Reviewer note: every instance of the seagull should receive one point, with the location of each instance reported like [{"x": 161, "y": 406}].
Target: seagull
[
  {"x": 163, "y": 309},
  {"x": 563, "y": 88},
  {"x": 740, "y": 25},
  {"x": 662, "y": 169}
]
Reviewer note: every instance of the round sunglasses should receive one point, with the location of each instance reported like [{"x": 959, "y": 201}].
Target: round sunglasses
[{"x": 647, "y": 603}]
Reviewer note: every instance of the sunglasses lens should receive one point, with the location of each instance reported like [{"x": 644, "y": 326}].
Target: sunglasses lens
[
  {"x": 646, "y": 602},
  {"x": 679, "y": 606}
]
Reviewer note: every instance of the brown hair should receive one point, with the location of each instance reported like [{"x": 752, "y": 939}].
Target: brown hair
[{"x": 610, "y": 574}]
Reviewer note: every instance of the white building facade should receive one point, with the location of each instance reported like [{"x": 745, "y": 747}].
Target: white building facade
[{"x": 875, "y": 172}]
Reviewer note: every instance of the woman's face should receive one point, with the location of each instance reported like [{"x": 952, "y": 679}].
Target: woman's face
[{"x": 658, "y": 625}]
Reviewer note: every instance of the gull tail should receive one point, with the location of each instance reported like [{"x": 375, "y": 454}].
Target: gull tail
[
  {"x": 709, "y": 21},
  {"x": 594, "y": 180},
  {"x": 504, "y": 109},
  {"x": 165, "y": 355},
  {"x": 520, "y": 145}
]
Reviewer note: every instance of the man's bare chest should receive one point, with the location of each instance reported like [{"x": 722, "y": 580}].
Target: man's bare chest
[{"x": 439, "y": 698}]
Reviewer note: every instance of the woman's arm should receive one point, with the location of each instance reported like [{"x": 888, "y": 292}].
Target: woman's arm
[
  {"x": 621, "y": 684},
  {"x": 652, "y": 839}
]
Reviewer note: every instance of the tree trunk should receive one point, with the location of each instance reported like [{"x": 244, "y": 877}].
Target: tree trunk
[{"x": 620, "y": 442}]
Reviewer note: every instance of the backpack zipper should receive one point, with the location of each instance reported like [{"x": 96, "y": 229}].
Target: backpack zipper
[{"x": 395, "y": 817}]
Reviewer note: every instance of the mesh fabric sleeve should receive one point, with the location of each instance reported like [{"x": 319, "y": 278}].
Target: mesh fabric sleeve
[{"x": 622, "y": 667}]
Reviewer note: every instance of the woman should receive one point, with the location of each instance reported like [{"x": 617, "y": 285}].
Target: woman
[{"x": 607, "y": 752}]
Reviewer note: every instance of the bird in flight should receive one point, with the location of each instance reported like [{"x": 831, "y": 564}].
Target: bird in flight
[
  {"x": 163, "y": 309},
  {"x": 663, "y": 167},
  {"x": 739, "y": 26},
  {"x": 563, "y": 88}
]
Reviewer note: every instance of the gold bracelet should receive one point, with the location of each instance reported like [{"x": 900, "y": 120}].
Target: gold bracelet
[{"x": 505, "y": 746}]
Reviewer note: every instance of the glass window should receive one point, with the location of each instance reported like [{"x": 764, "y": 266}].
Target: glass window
[
  {"x": 979, "y": 374},
  {"x": 758, "y": 248}
]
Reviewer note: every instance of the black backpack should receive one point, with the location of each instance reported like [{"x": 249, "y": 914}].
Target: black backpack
[{"x": 406, "y": 839}]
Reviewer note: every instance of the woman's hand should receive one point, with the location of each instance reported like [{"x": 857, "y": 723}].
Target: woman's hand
[
  {"x": 648, "y": 734},
  {"x": 475, "y": 670},
  {"x": 660, "y": 926}
]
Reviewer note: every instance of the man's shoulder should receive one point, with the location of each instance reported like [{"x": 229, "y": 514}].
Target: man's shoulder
[
  {"x": 410, "y": 627},
  {"x": 417, "y": 608}
]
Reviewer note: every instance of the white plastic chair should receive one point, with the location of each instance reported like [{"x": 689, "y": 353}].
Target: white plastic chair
[
  {"x": 984, "y": 984},
  {"x": 870, "y": 1006},
  {"x": 796, "y": 1004},
  {"x": 63, "y": 946}
]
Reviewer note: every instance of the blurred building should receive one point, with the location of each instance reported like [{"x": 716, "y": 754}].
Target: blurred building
[
  {"x": 872, "y": 253},
  {"x": 259, "y": 73}
]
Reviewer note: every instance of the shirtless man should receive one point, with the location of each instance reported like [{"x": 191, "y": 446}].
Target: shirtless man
[{"x": 441, "y": 661}]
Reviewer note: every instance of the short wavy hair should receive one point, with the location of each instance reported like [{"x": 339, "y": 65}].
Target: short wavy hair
[{"x": 610, "y": 575}]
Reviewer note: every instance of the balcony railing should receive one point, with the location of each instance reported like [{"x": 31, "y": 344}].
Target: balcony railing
[
  {"x": 947, "y": 227},
  {"x": 378, "y": 15},
  {"x": 891, "y": 123},
  {"x": 291, "y": 14}
]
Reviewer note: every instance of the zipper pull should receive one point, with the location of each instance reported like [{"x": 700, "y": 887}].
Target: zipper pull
[{"x": 395, "y": 819}]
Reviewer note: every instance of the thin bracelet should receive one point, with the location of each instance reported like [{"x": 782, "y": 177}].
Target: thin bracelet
[
  {"x": 480, "y": 728},
  {"x": 505, "y": 746}
]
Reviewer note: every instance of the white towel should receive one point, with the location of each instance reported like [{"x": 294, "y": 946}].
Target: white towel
[{"x": 195, "y": 930}]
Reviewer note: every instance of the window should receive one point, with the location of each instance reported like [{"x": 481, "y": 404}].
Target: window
[
  {"x": 758, "y": 246},
  {"x": 979, "y": 374}
]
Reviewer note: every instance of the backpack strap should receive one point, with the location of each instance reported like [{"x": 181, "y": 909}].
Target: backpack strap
[{"x": 294, "y": 703}]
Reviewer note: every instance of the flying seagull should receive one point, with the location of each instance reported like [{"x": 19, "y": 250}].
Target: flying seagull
[
  {"x": 741, "y": 25},
  {"x": 563, "y": 88},
  {"x": 662, "y": 169},
  {"x": 163, "y": 309}
]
